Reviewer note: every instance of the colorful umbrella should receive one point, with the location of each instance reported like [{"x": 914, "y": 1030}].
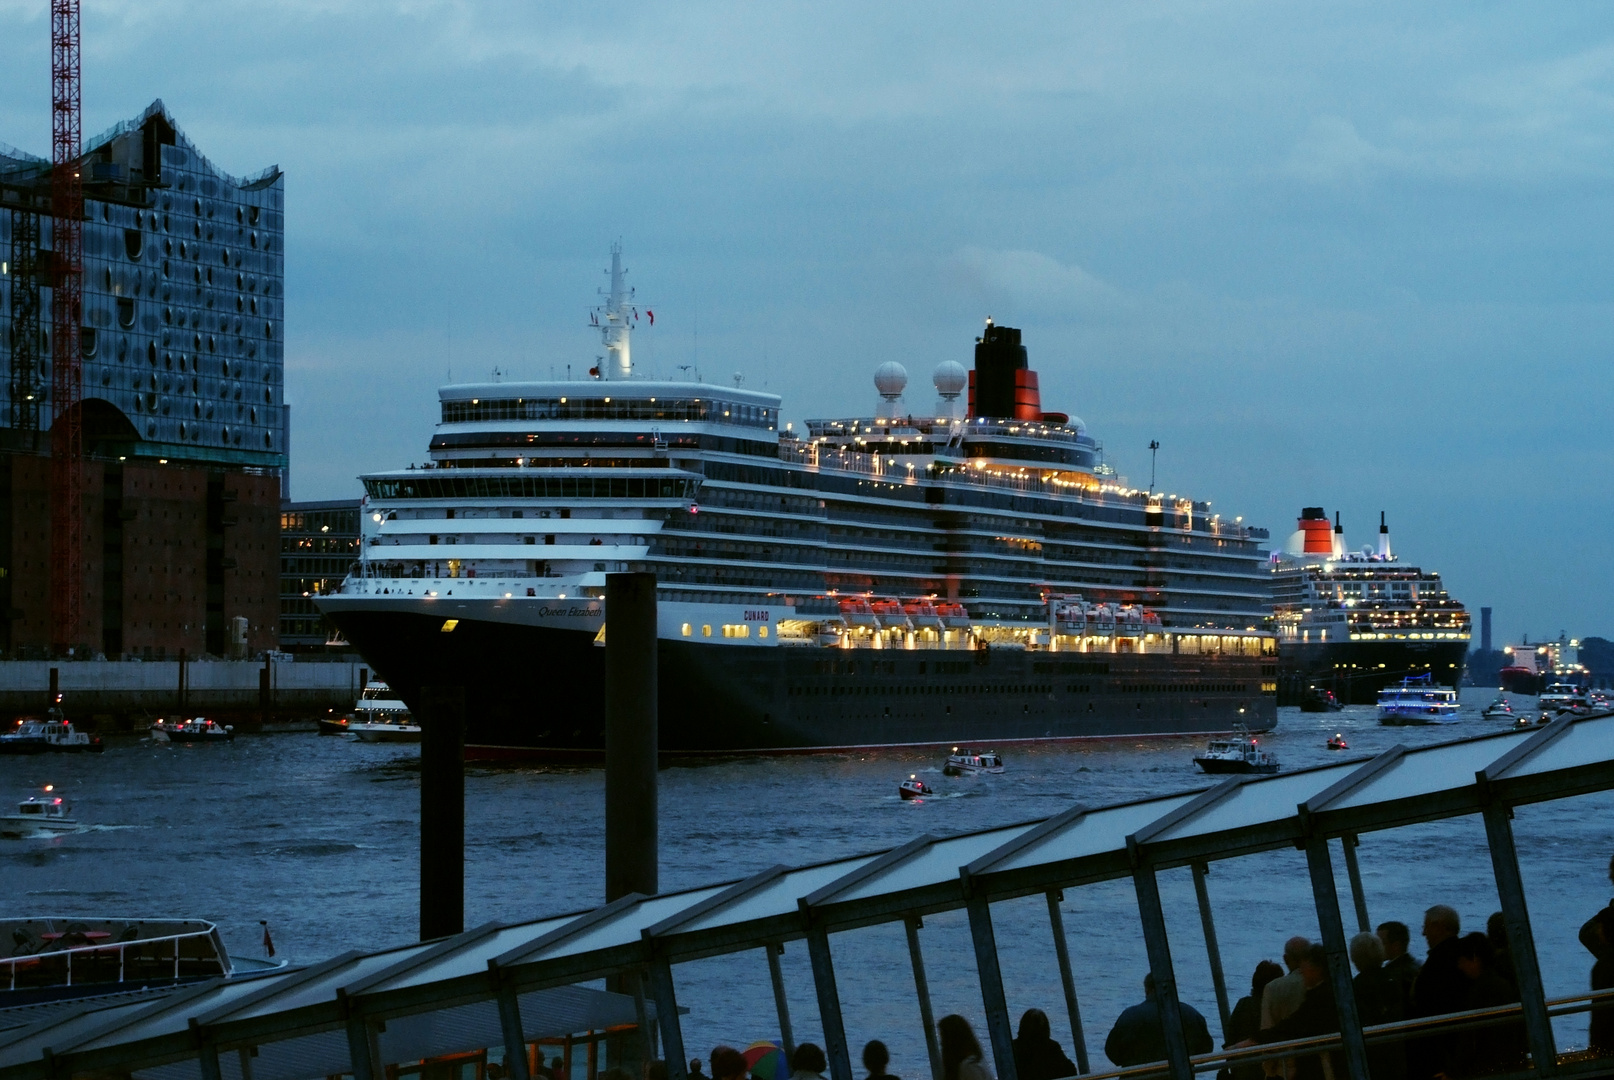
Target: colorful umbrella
[{"x": 766, "y": 1061}]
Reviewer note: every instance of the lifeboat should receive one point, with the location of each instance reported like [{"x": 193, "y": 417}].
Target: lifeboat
[
  {"x": 1129, "y": 621},
  {"x": 1101, "y": 619},
  {"x": 857, "y": 612},
  {"x": 890, "y": 614},
  {"x": 953, "y": 616},
  {"x": 1070, "y": 617},
  {"x": 922, "y": 613}
]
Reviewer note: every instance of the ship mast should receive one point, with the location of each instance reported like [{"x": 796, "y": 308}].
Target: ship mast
[{"x": 615, "y": 319}]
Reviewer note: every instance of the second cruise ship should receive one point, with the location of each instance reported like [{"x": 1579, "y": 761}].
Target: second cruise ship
[{"x": 969, "y": 572}]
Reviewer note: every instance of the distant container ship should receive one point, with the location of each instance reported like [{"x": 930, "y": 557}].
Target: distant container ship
[
  {"x": 1354, "y": 622},
  {"x": 967, "y": 574}
]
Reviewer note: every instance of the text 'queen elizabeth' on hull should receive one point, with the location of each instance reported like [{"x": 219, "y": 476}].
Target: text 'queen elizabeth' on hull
[{"x": 957, "y": 574}]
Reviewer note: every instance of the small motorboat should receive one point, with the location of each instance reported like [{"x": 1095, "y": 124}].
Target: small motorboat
[
  {"x": 333, "y": 725},
  {"x": 1316, "y": 699},
  {"x": 195, "y": 729},
  {"x": 381, "y": 717},
  {"x": 913, "y": 788},
  {"x": 1522, "y": 721},
  {"x": 54, "y": 734},
  {"x": 964, "y": 763},
  {"x": 1500, "y": 709},
  {"x": 1338, "y": 743},
  {"x": 1240, "y": 754},
  {"x": 39, "y": 815}
]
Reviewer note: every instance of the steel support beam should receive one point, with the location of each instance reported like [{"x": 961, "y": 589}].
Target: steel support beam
[
  {"x": 781, "y": 1004},
  {"x": 515, "y": 1039},
  {"x": 1521, "y": 942},
  {"x": 641, "y": 1016},
  {"x": 1067, "y": 979},
  {"x": 1353, "y": 869},
  {"x": 361, "y": 1050},
  {"x": 991, "y": 975},
  {"x": 1213, "y": 950},
  {"x": 829, "y": 1004},
  {"x": 1332, "y": 925},
  {"x": 1153, "y": 917},
  {"x": 672, "y": 1035},
  {"x": 208, "y": 1058},
  {"x": 927, "y": 1015}
]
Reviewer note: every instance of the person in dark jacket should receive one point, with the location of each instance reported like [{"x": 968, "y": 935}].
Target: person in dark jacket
[
  {"x": 1496, "y": 932},
  {"x": 1317, "y": 1015},
  {"x": 1496, "y": 1047},
  {"x": 1378, "y": 1001},
  {"x": 875, "y": 1059},
  {"x": 1036, "y": 1055},
  {"x": 1399, "y": 965},
  {"x": 1138, "y": 1038},
  {"x": 1597, "y": 935},
  {"x": 1441, "y": 988},
  {"x": 1245, "y": 1021}
]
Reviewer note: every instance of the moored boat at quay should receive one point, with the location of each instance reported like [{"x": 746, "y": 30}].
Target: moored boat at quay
[{"x": 973, "y": 574}]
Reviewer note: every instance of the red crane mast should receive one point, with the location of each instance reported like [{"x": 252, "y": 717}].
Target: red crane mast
[{"x": 67, "y": 369}]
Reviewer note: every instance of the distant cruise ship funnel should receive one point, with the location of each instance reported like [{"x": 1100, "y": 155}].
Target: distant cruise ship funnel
[
  {"x": 1384, "y": 540},
  {"x": 1003, "y": 386}
]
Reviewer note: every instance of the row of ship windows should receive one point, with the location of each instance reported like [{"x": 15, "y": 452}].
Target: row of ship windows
[
  {"x": 728, "y": 630},
  {"x": 610, "y": 408}
]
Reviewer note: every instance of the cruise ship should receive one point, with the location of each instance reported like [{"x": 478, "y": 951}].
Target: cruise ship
[
  {"x": 971, "y": 571},
  {"x": 1355, "y": 622}
]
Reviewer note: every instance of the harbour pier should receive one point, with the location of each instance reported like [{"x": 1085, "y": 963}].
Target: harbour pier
[{"x": 359, "y": 1014}]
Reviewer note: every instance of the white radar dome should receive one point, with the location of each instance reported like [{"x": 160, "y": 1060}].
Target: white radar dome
[
  {"x": 890, "y": 378},
  {"x": 950, "y": 378}
]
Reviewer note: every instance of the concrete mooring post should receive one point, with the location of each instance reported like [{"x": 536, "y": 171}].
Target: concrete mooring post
[
  {"x": 442, "y": 811},
  {"x": 630, "y": 735}
]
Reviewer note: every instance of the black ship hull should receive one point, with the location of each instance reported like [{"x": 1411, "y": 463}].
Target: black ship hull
[
  {"x": 1356, "y": 671},
  {"x": 538, "y": 691}
]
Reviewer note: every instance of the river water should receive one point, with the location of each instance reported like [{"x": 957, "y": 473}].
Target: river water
[{"x": 319, "y": 837}]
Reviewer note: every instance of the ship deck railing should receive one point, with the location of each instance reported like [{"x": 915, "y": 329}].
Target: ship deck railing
[
  {"x": 113, "y": 961},
  {"x": 503, "y": 985}
]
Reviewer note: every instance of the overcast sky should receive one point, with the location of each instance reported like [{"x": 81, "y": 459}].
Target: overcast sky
[{"x": 1354, "y": 255}]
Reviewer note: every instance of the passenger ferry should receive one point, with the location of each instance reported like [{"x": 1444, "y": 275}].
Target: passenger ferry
[
  {"x": 1240, "y": 754},
  {"x": 381, "y": 717},
  {"x": 967, "y": 570},
  {"x": 1417, "y": 700},
  {"x": 1354, "y": 622}
]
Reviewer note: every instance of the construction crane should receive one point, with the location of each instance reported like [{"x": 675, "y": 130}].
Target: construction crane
[{"x": 67, "y": 368}]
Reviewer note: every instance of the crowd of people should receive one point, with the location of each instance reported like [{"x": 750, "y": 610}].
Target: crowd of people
[{"x": 1459, "y": 972}]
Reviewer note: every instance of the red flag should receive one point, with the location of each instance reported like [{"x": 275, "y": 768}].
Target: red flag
[
  {"x": 652, "y": 316},
  {"x": 268, "y": 942}
]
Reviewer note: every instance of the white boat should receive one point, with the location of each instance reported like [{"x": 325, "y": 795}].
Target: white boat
[
  {"x": 1500, "y": 709},
  {"x": 194, "y": 729},
  {"x": 50, "y": 958},
  {"x": 1564, "y": 697},
  {"x": 46, "y": 815},
  {"x": 1240, "y": 754},
  {"x": 54, "y": 734},
  {"x": 964, "y": 763},
  {"x": 914, "y": 788},
  {"x": 1417, "y": 700},
  {"x": 381, "y": 717}
]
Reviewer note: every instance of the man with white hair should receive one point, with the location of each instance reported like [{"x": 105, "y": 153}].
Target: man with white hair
[{"x": 1282, "y": 997}]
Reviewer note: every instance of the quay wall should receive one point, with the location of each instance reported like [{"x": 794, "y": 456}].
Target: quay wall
[{"x": 114, "y": 694}]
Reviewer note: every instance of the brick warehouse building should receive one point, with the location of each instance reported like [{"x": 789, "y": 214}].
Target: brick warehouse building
[{"x": 183, "y": 408}]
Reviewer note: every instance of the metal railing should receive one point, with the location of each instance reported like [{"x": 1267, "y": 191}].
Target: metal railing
[{"x": 99, "y": 951}]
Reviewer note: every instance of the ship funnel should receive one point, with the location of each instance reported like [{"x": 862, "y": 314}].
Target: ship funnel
[
  {"x": 1338, "y": 543},
  {"x": 1002, "y": 386},
  {"x": 1384, "y": 539},
  {"x": 1313, "y": 534}
]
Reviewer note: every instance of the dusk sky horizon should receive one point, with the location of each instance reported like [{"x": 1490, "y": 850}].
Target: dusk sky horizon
[{"x": 1353, "y": 256}]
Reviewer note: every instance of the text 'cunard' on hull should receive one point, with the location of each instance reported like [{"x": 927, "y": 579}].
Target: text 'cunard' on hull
[{"x": 968, "y": 571}]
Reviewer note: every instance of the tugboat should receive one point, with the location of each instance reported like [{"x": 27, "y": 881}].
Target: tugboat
[
  {"x": 197, "y": 729},
  {"x": 1338, "y": 743},
  {"x": 1416, "y": 700},
  {"x": 1500, "y": 709},
  {"x": 1240, "y": 754},
  {"x": 39, "y": 816},
  {"x": 913, "y": 788},
  {"x": 54, "y": 734},
  {"x": 962, "y": 763},
  {"x": 1316, "y": 699}
]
